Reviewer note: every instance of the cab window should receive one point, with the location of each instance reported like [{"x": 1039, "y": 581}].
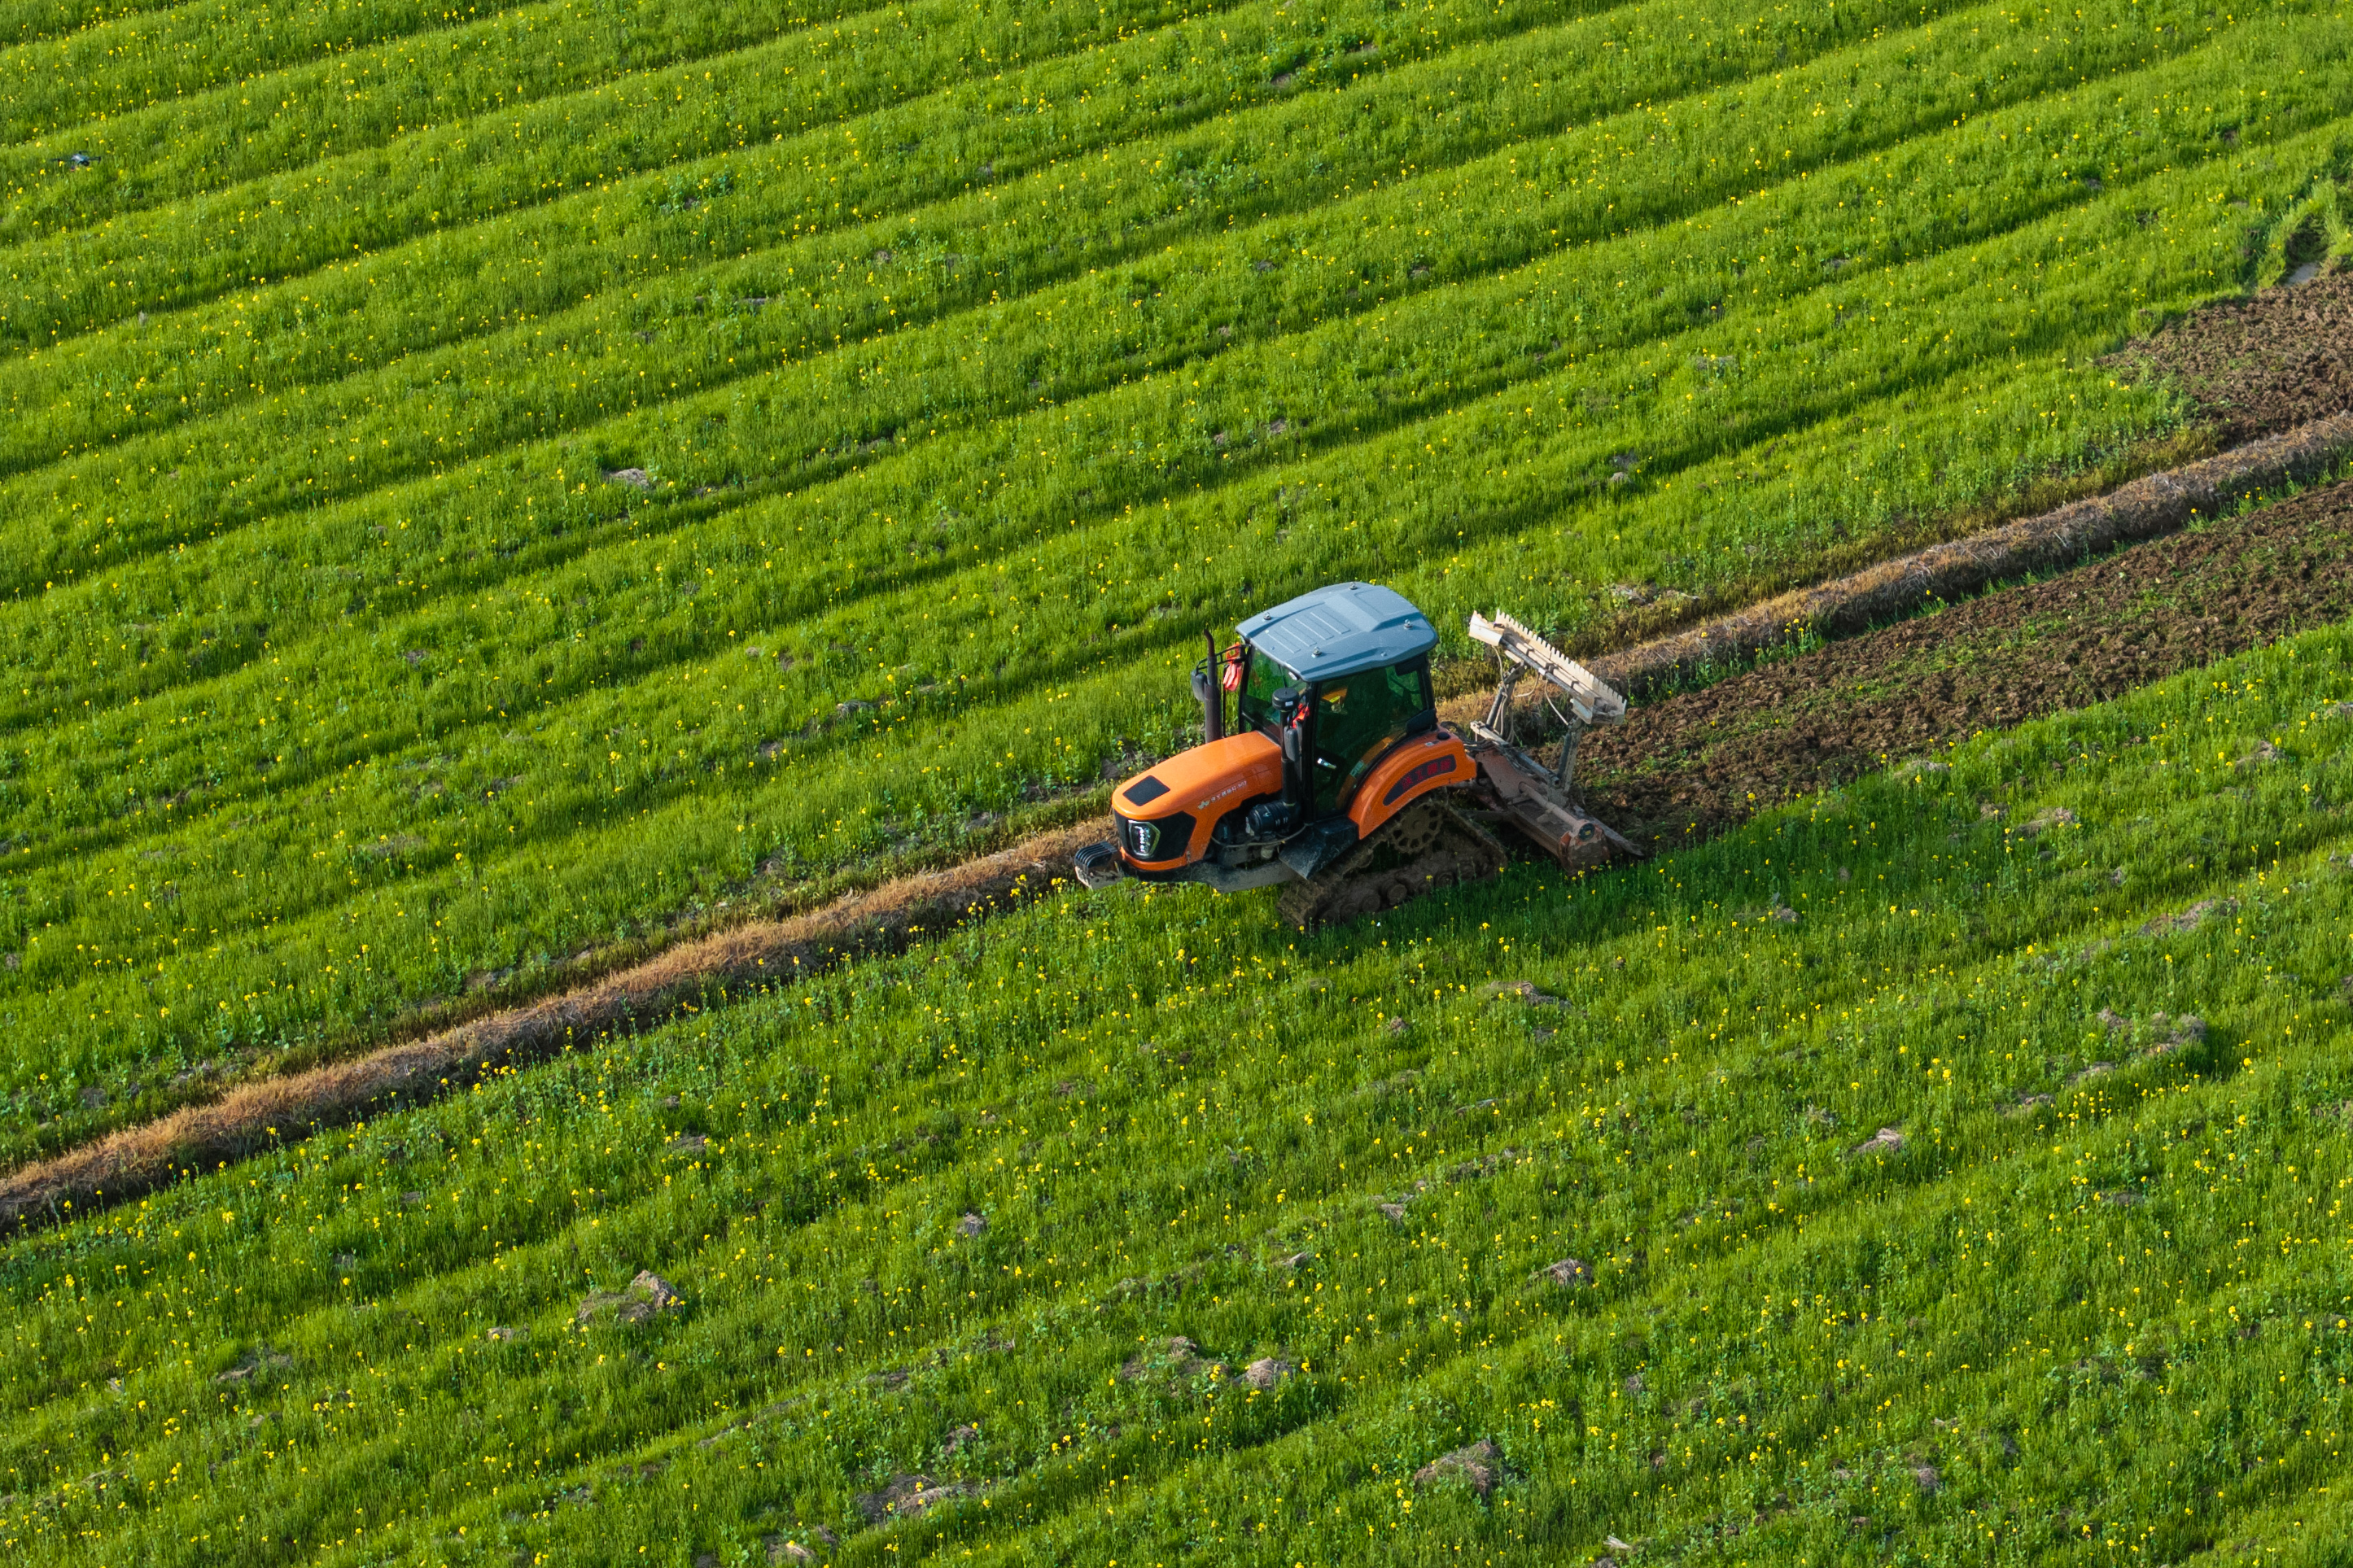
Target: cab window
[
  {"x": 1254, "y": 704},
  {"x": 1357, "y": 719}
]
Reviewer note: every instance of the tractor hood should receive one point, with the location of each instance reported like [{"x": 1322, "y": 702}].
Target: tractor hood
[
  {"x": 1340, "y": 630},
  {"x": 1166, "y": 816},
  {"x": 1208, "y": 780}
]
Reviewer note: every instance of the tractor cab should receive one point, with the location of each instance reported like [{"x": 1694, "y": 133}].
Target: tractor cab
[{"x": 1348, "y": 668}]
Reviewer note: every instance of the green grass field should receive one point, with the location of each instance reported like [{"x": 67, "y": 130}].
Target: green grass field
[
  {"x": 340, "y": 674},
  {"x": 410, "y": 419},
  {"x": 2092, "y": 1306}
]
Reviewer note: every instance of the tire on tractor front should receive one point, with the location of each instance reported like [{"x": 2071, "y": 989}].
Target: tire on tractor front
[{"x": 1426, "y": 846}]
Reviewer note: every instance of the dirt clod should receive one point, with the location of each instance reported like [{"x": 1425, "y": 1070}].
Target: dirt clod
[
  {"x": 2190, "y": 918},
  {"x": 1886, "y": 1140},
  {"x": 2177, "y": 1034},
  {"x": 1478, "y": 1464},
  {"x": 1266, "y": 1371},
  {"x": 1525, "y": 989},
  {"x": 1568, "y": 1273},
  {"x": 2259, "y": 753},
  {"x": 1178, "y": 1357},
  {"x": 905, "y": 1497},
  {"x": 644, "y": 1296},
  {"x": 257, "y": 1362}
]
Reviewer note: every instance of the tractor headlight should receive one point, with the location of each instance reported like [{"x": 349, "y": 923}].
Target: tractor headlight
[{"x": 1160, "y": 840}]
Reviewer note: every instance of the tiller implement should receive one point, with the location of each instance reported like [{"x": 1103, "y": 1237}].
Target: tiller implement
[{"x": 1337, "y": 783}]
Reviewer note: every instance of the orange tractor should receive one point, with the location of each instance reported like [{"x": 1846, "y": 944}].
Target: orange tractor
[{"x": 1337, "y": 783}]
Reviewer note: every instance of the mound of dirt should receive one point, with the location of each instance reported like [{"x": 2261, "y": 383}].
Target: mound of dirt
[
  {"x": 1695, "y": 763},
  {"x": 1267, "y": 1372},
  {"x": 1478, "y": 1464},
  {"x": 634, "y": 1302},
  {"x": 2268, "y": 363},
  {"x": 907, "y": 1497}
]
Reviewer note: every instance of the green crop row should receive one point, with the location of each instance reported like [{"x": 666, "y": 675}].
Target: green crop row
[
  {"x": 630, "y": 131},
  {"x": 2083, "y": 975},
  {"x": 581, "y": 288},
  {"x": 142, "y": 56},
  {"x": 367, "y": 97},
  {"x": 1498, "y": 467},
  {"x": 25, "y": 21}
]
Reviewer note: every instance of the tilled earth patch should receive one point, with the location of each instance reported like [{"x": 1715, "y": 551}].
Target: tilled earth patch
[
  {"x": 2263, "y": 364},
  {"x": 1695, "y": 763}
]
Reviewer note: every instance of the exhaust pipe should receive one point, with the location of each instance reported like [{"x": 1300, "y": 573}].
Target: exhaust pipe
[
  {"x": 1291, "y": 714},
  {"x": 1210, "y": 686}
]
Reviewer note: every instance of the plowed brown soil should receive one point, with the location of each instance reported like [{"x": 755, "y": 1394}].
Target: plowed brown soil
[
  {"x": 1685, "y": 766},
  {"x": 2147, "y": 508},
  {"x": 2262, "y": 364}
]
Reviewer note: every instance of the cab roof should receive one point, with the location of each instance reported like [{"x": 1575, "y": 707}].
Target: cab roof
[{"x": 1340, "y": 630}]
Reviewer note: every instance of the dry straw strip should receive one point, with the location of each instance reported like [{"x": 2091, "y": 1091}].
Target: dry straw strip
[
  {"x": 2144, "y": 509},
  {"x": 138, "y": 1160}
]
